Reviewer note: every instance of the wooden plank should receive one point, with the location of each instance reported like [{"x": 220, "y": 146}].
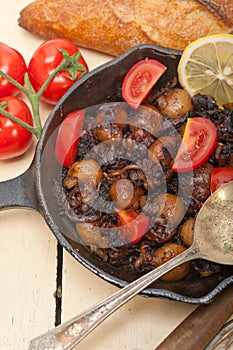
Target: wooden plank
[
  {"x": 28, "y": 277},
  {"x": 140, "y": 324},
  {"x": 28, "y": 248}
]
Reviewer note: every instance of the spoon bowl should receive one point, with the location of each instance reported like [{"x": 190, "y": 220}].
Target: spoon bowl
[
  {"x": 213, "y": 240},
  {"x": 213, "y": 232}
]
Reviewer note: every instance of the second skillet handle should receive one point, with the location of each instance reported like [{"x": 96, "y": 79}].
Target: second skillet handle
[{"x": 19, "y": 191}]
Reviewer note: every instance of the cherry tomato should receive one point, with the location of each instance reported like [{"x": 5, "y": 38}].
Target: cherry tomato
[
  {"x": 136, "y": 224},
  {"x": 14, "y": 138},
  {"x": 43, "y": 62},
  {"x": 140, "y": 79},
  {"x": 13, "y": 64},
  {"x": 219, "y": 177},
  {"x": 199, "y": 141},
  {"x": 68, "y": 137}
]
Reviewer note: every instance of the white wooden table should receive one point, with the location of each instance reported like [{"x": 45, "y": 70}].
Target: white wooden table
[{"x": 28, "y": 259}]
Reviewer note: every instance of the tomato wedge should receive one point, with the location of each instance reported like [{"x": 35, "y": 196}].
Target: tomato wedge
[
  {"x": 68, "y": 137},
  {"x": 219, "y": 177},
  {"x": 134, "y": 225},
  {"x": 199, "y": 141},
  {"x": 140, "y": 79}
]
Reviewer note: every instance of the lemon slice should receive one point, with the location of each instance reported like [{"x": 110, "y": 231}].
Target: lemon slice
[{"x": 206, "y": 67}]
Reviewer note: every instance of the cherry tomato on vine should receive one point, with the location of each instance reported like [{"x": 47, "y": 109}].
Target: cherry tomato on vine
[
  {"x": 140, "y": 79},
  {"x": 13, "y": 64},
  {"x": 133, "y": 225},
  {"x": 219, "y": 177},
  {"x": 68, "y": 137},
  {"x": 199, "y": 141},
  {"x": 14, "y": 138},
  {"x": 44, "y": 60}
]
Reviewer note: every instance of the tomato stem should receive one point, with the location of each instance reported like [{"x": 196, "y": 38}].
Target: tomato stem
[
  {"x": 33, "y": 130},
  {"x": 50, "y": 78},
  {"x": 34, "y": 99},
  {"x": 12, "y": 81}
]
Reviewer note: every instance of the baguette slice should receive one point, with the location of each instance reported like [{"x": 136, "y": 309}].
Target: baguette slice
[{"x": 112, "y": 26}]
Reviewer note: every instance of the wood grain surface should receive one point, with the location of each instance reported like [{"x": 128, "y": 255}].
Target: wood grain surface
[{"x": 28, "y": 259}]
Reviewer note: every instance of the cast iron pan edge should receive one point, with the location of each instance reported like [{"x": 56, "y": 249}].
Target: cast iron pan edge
[{"x": 116, "y": 68}]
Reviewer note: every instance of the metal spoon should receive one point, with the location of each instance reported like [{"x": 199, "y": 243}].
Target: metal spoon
[{"x": 213, "y": 240}]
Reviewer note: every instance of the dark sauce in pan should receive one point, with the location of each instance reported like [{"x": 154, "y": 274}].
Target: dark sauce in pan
[{"x": 88, "y": 204}]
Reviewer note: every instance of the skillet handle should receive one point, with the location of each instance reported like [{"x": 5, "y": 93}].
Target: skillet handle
[{"x": 19, "y": 191}]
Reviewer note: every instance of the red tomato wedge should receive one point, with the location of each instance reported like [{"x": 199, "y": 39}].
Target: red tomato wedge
[
  {"x": 140, "y": 79},
  {"x": 199, "y": 141},
  {"x": 134, "y": 225},
  {"x": 219, "y": 177},
  {"x": 68, "y": 137}
]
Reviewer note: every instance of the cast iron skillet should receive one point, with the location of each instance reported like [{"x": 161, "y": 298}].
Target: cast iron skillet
[{"x": 34, "y": 189}]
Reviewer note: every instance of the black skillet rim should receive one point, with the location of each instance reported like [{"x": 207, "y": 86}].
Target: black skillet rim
[{"x": 148, "y": 292}]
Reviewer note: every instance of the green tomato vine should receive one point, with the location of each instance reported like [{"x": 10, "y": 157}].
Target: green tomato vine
[{"x": 69, "y": 64}]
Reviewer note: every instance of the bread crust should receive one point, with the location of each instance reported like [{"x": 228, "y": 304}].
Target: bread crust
[
  {"x": 221, "y": 8},
  {"x": 112, "y": 26}
]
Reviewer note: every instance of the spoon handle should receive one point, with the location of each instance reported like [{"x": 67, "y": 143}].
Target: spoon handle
[{"x": 69, "y": 334}]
